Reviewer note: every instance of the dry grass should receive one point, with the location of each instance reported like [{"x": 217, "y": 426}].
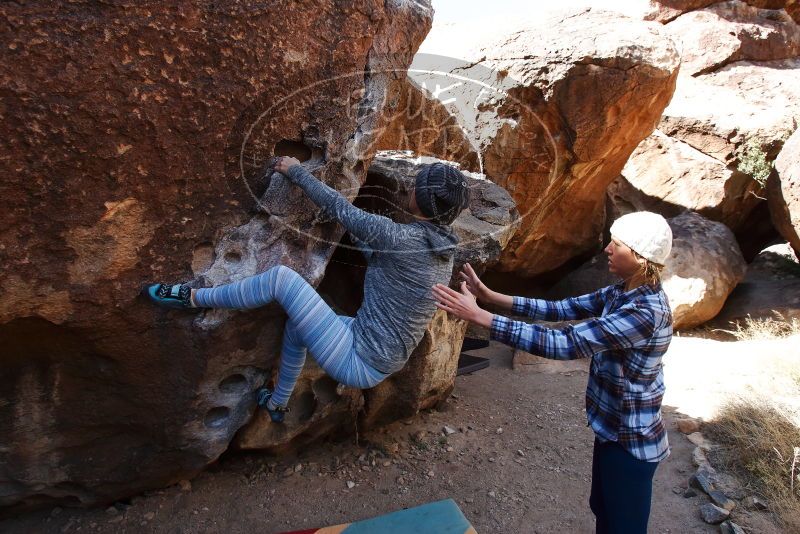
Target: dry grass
[
  {"x": 765, "y": 328},
  {"x": 753, "y": 386},
  {"x": 760, "y": 441}
]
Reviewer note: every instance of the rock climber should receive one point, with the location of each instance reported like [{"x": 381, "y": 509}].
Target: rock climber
[
  {"x": 628, "y": 330},
  {"x": 403, "y": 262}
]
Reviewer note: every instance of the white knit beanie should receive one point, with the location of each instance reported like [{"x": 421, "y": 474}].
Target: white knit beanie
[{"x": 646, "y": 233}]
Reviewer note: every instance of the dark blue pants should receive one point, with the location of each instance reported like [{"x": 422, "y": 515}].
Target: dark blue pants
[{"x": 621, "y": 489}]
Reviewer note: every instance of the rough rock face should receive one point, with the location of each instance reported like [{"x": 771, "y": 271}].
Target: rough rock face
[
  {"x": 319, "y": 407},
  {"x": 555, "y": 110},
  {"x": 747, "y": 96},
  {"x": 701, "y": 156},
  {"x": 669, "y": 176},
  {"x": 733, "y": 31},
  {"x": 790, "y": 6},
  {"x": 427, "y": 379},
  {"x": 135, "y": 135},
  {"x": 703, "y": 268},
  {"x": 752, "y": 102},
  {"x": 783, "y": 192},
  {"x": 668, "y": 10},
  {"x": 417, "y": 121}
]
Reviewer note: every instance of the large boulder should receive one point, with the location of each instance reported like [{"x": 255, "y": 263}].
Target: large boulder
[
  {"x": 714, "y": 155},
  {"x": 669, "y": 176},
  {"x": 733, "y": 31},
  {"x": 755, "y": 100},
  {"x": 134, "y": 141},
  {"x": 555, "y": 110},
  {"x": 704, "y": 267},
  {"x": 783, "y": 192}
]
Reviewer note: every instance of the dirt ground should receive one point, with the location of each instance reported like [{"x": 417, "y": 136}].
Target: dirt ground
[{"x": 517, "y": 460}]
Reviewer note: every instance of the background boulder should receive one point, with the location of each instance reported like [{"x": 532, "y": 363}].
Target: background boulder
[
  {"x": 669, "y": 176},
  {"x": 668, "y": 10},
  {"x": 704, "y": 267},
  {"x": 726, "y": 32},
  {"x": 753, "y": 103},
  {"x": 417, "y": 121},
  {"x": 735, "y": 104},
  {"x": 555, "y": 109}
]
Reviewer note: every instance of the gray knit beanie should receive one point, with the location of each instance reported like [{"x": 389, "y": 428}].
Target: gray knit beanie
[{"x": 441, "y": 192}]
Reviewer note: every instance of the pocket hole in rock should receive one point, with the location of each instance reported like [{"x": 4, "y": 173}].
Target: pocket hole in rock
[
  {"x": 325, "y": 389},
  {"x": 234, "y": 384},
  {"x": 233, "y": 257},
  {"x": 217, "y": 417},
  {"x": 304, "y": 406},
  {"x": 293, "y": 149},
  {"x": 202, "y": 257}
]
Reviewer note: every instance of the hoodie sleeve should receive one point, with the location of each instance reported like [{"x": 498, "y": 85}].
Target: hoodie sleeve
[
  {"x": 361, "y": 246},
  {"x": 376, "y": 231}
]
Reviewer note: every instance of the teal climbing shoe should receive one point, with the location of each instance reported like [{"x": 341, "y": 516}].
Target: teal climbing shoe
[
  {"x": 263, "y": 395},
  {"x": 171, "y": 296}
]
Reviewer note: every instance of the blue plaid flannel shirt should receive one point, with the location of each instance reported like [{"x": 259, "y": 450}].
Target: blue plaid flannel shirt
[{"x": 626, "y": 336}]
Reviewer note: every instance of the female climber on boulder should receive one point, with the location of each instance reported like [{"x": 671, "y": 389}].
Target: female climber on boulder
[
  {"x": 403, "y": 262},
  {"x": 628, "y": 330}
]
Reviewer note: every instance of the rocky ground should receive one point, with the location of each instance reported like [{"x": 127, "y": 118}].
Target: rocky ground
[{"x": 511, "y": 447}]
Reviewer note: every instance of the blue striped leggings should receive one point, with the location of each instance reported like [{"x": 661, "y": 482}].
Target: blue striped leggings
[{"x": 312, "y": 325}]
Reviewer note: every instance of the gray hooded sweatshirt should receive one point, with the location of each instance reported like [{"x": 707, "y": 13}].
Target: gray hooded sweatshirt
[{"x": 403, "y": 262}]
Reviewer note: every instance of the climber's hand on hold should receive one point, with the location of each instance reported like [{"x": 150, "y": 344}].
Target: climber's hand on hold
[{"x": 283, "y": 163}]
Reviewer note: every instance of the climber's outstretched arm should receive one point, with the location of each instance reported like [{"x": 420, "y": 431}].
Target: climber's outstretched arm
[{"x": 378, "y": 232}]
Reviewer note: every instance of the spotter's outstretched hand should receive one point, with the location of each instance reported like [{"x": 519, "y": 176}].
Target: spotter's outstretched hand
[
  {"x": 474, "y": 284},
  {"x": 463, "y": 305}
]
